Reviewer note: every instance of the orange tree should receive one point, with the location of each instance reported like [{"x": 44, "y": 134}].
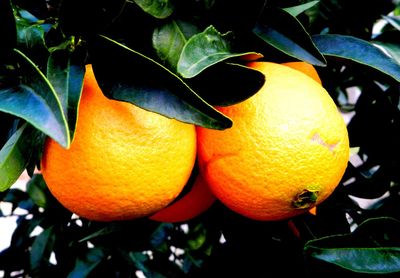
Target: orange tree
[{"x": 181, "y": 59}]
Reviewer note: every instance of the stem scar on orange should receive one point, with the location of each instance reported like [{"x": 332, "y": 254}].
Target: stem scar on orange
[
  {"x": 286, "y": 152},
  {"x": 124, "y": 162}
]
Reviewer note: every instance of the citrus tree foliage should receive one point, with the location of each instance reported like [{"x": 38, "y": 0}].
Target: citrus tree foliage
[{"x": 180, "y": 58}]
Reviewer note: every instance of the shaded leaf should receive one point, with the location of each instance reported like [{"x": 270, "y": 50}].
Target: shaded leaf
[
  {"x": 374, "y": 247},
  {"x": 291, "y": 38},
  {"x": 359, "y": 51},
  {"x": 36, "y": 188},
  {"x": 296, "y": 10},
  {"x": 65, "y": 72},
  {"x": 204, "y": 50},
  {"x": 35, "y": 101},
  {"x": 86, "y": 263},
  {"x": 157, "y": 8},
  {"x": 107, "y": 230},
  {"x": 159, "y": 236},
  {"x": 169, "y": 40},
  {"x": 227, "y": 83},
  {"x": 41, "y": 249},
  {"x": 150, "y": 86}
]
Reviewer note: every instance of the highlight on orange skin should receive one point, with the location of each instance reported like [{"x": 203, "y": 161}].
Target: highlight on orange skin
[{"x": 191, "y": 205}]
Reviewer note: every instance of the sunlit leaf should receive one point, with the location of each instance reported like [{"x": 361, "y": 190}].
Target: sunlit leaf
[
  {"x": 296, "y": 10},
  {"x": 16, "y": 153},
  {"x": 204, "y": 50},
  {"x": 35, "y": 101},
  {"x": 157, "y": 8},
  {"x": 291, "y": 38},
  {"x": 150, "y": 85},
  {"x": 392, "y": 49},
  {"x": 169, "y": 40},
  {"x": 359, "y": 51},
  {"x": 393, "y": 20}
]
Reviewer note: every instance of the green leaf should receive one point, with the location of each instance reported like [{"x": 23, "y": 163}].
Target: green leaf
[
  {"x": 150, "y": 85},
  {"x": 157, "y": 8},
  {"x": 12, "y": 159},
  {"x": 35, "y": 101},
  {"x": 392, "y": 49},
  {"x": 204, "y": 50},
  {"x": 291, "y": 38},
  {"x": 36, "y": 188},
  {"x": 296, "y": 10},
  {"x": 227, "y": 83},
  {"x": 15, "y": 155},
  {"x": 169, "y": 40},
  {"x": 359, "y": 51},
  {"x": 41, "y": 249},
  {"x": 65, "y": 72},
  {"x": 30, "y": 35},
  {"x": 86, "y": 263},
  {"x": 393, "y": 20},
  {"x": 374, "y": 247}
]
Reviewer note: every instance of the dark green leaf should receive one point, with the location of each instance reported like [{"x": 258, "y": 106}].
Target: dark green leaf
[
  {"x": 41, "y": 249},
  {"x": 227, "y": 83},
  {"x": 374, "y": 247},
  {"x": 65, "y": 72},
  {"x": 35, "y": 101},
  {"x": 13, "y": 158},
  {"x": 393, "y": 20},
  {"x": 169, "y": 40},
  {"x": 296, "y": 10},
  {"x": 359, "y": 51},
  {"x": 160, "y": 235},
  {"x": 157, "y": 8},
  {"x": 204, "y": 50},
  {"x": 86, "y": 263},
  {"x": 15, "y": 197},
  {"x": 291, "y": 38},
  {"x": 109, "y": 229},
  {"x": 150, "y": 85}
]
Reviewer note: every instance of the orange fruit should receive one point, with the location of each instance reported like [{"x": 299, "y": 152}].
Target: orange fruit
[
  {"x": 305, "y": 68},
  {"x": 124, "y": 162},
  {"x": 196, "y": 201},
  {"x": 286, "y": 152}
]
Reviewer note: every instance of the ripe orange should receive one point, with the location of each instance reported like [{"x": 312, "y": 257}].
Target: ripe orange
[
  {"x": 286, "y": 152},
  {"x": 195, "y": 202},
  {"x": 124, "y": 162},
  {"x": 305, "y": 68}
]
